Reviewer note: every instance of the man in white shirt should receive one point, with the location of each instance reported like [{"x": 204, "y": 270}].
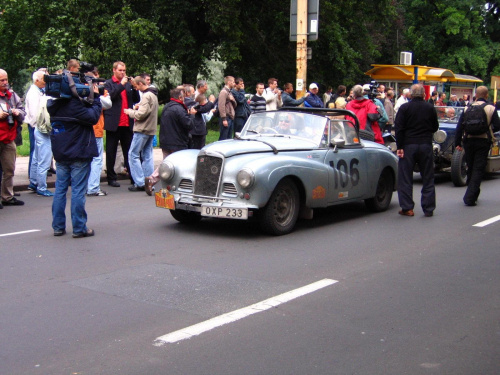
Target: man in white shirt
[
  {"x": 42, "y": 150},
  {"x": 401, "y": 100},
  {"x": 272, "y": 95}
]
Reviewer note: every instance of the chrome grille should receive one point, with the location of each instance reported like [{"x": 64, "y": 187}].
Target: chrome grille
[
  {"x": 186, "y": 185},
  {"x": 208, "y": 172},
  {"x": 229, "y": 189}
]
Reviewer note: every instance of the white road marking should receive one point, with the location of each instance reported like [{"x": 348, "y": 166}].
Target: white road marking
[
  {"x": 235, "y": 315},
  {"x": 23, "y": 232},
  {"x": 487, "y": 222}
]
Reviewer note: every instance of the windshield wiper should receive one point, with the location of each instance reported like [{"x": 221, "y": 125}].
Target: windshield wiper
[{"x": 275, "y": 150}]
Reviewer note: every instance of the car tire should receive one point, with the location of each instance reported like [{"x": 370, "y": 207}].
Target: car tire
[
  {"x": 280, "y": 214},
  {"x": 458, "y": 168},
  {"x": 185, "y": 217},
  {"x": 366, "y": 135},
  {"x": 383, "y": 195}
]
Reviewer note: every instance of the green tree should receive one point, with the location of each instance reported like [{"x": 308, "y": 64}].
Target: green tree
[{"x": 451, "y": 34}]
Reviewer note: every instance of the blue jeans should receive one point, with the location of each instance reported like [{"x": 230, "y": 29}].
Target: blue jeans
[
  {"x": 93, "y": 185},
  {"x": 42, "y": 157},
  {"x": 75, "y": 173},
  {"x": 226, "y": 132},
  {"x": 141, "y": 147},
  {"x": 31, "y": 133}
]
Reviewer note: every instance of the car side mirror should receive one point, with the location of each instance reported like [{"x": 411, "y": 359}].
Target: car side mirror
[{"x": 338, "y": 142}]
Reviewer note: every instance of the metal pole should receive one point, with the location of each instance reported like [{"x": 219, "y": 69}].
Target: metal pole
[{"x": 301, "y": 49}]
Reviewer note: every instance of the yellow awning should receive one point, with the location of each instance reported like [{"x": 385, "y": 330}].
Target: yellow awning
[{"x": 424, "y": 74}]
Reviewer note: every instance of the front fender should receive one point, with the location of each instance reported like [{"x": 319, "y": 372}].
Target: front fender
[{"x": 270, "y": 170}]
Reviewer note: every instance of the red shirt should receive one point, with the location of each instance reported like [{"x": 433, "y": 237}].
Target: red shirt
[
  {"x": 7, "y": 134},
  {"x": 124, "y": 119}
]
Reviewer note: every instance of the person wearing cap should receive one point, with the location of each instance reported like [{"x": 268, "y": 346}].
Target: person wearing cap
[{"x": 313, "y": 100}]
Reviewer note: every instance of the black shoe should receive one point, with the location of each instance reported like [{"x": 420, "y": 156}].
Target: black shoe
[
  {"x": 1, "y": 206},
  {"x": 88, "y": 233},
  {"x": 113, "y": 183},
  {"x": 136, "y": 188},
  {"x": 13, "y": 202},
  {"x": 428, "y": 214},
  {"x": 470, "y": 204},
  {"x": 60, "y": 232}
]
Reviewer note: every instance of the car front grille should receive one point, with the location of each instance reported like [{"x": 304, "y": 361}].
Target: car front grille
[
  {"x": 208, "y": 172},
  {"x": 186, "y": 185},
  {"x": 229, "y": 189}
]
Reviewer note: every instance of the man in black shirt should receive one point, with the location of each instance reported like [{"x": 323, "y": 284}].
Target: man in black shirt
[{"x": 416, "y": 122}]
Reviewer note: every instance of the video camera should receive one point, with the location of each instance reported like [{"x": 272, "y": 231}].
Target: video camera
[
  {"x": 73, "y": 84},
  {"x": 373, "y": 92}
]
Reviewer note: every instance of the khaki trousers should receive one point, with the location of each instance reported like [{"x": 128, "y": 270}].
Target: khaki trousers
[{"x": 8, "y": 162}]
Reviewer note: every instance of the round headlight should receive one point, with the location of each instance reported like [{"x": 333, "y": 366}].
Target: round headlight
[
  {"x": 166, "y": 170},
  {"x": 440, "y": 136},
  {"x": 245, "y": 178}
]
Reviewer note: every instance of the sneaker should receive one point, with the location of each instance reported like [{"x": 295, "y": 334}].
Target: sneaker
[
  {"x": 99, "y": 193},
  {"x": 13, "y": 202},
  {"x": 148, "y": 185},
  {"x": 32, "y": 187},
  {"x": 88, "y": 233},
  {"x": 136, "y": 188},
  {"x": 44, "y": 193}
]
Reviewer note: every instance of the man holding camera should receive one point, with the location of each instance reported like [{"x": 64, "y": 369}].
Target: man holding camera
[
  {"x": 146, "y": 121},
  {"x": 117, "y": 123},
  {"x": 74, "y": 146},
  {"x": 11, "y": 116}
]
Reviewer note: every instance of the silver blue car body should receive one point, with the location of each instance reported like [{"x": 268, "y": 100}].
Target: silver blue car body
[{"x": 283, "y": 164}]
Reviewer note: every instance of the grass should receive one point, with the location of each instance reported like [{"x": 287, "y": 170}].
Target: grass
[{"x": 24, "y": 149}]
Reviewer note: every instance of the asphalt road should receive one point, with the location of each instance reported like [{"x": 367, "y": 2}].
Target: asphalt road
[{"x": 413, "y": 295}]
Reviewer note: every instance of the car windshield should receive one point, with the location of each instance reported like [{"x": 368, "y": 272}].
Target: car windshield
[
  {"x": 286, "y": 124},
  {"x": 449, "y": 114}
]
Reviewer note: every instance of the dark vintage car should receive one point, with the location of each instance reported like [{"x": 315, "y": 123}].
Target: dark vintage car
[{"x": 446, "y": 157}]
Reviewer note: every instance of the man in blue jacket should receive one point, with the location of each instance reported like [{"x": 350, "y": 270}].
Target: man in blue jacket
[
  {"x": 313, "y": 100},
  {"x": 74, "y": 146}
]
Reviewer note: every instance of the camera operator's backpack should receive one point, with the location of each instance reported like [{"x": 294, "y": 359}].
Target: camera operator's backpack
[{"x": 475, "y": 121}]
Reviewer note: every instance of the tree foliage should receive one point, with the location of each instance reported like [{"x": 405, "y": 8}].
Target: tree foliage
[{"x": 251, "y": 37}]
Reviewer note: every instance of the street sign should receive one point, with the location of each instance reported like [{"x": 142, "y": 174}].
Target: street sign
[{"x": 312, "y": 20}]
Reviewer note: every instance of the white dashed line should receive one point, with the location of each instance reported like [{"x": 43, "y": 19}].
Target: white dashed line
[
  {"x": 487, "y": 222},
  {"x": 16, "y": 233},
  {"x": 235, "y": 315}
]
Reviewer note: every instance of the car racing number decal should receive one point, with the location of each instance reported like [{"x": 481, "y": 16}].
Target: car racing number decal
[{"x": 343, "y": 173}]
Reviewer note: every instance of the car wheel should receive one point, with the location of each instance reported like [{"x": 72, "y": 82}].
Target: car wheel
[
  {"x": 366, "y": 135},
  {"x": 185, "y": 217},
  {"x": 280, "y": 214},
  {"x": 458, "y": 168},
  {"x": 382, "y": 199}
]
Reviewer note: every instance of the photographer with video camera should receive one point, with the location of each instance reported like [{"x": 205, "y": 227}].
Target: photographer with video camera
[
  {"x": 74, "y": 146},
  {"x": 11, "y": 116},
  {"x": 118, "y": 125}
]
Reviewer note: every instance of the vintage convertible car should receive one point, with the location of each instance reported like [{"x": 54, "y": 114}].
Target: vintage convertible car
[
  {"x": 281, "y": 166},
  {"x": 446, "y": 157}
]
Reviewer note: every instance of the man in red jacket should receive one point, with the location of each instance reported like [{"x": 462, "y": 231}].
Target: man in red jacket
[{"x": 11, "y": 116}]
